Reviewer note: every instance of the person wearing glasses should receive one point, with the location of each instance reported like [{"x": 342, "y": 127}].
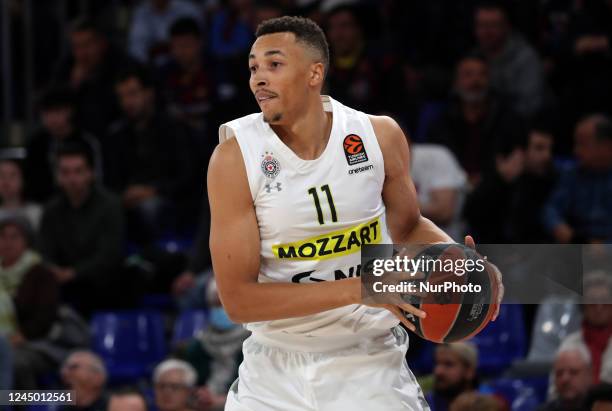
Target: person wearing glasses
[{"x": 174, "y": 383}]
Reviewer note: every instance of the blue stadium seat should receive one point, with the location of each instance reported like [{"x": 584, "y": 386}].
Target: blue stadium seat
[
  {"x": 41, "y": 407},
  {"x": 519, "y": 395},
  {"x": 421, "y": 359},
  {"x": 188, "y": 325},
  {"x": 429, "y": 114},
  {"x": 502, "y": 341},
  {"x": 131, "y": 343},
  {"x": 157, "y": 302}
]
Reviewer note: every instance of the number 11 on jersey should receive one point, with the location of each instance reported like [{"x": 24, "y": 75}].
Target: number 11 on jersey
[{"x": 332, "y": 208}]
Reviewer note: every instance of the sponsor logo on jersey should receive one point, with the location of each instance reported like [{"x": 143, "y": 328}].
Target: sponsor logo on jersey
[
  {"x": 269, "y": 187},
  {"x": 354, "y": 150},
  {"x": 269, "y": 165},
  {"x": 360, "y": 169},
  {"x": 338, "y": 274},
  {"x": 331, "y": 245}
]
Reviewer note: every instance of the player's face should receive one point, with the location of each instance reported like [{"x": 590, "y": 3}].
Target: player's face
[
  {"x": 279, "y": 75},
  {"x": 450, "y": 372},
  {"x": 572, "y": 376},
  {"x": 171, "y": 392}
]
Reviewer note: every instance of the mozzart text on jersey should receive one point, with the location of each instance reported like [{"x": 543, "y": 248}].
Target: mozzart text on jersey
[{"x": 331, "y": 245}]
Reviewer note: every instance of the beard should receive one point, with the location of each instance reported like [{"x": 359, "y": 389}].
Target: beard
[
  {"x": 472, "y": 96},
  {"x": 275, "y": 118},
  {"x": 451, "y": 390}
]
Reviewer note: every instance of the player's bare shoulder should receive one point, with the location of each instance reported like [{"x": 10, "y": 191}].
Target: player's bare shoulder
[
  {"x": 393, "y": 143},
  {"x": 226, "y": 170}
]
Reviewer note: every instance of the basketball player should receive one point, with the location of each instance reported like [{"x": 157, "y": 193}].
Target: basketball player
[{"x": 294, "y": 192}]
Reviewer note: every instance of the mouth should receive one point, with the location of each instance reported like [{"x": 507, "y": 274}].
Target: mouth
[
  {"x": 264, "y": 96},
  {"x": 262, "y": 99}
]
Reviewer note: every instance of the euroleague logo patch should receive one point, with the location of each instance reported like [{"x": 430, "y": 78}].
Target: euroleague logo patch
[
  {"x": 269, "y": 165},
  {"x": 354, "y": 150}
]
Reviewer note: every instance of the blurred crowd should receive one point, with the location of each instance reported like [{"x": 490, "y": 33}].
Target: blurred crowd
[{"x": 506, "y": 106}]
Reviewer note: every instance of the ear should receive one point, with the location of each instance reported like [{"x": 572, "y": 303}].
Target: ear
[{"x": 317, "y": 74}]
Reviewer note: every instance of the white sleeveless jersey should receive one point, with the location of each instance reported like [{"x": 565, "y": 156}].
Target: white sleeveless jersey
[{"x": 313, "y": 217}]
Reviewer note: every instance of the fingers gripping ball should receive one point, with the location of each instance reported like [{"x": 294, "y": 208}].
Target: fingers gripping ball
[{"x": 454, "y": 315}]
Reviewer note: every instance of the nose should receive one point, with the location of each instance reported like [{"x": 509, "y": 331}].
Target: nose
[{"x": 259, "y": 79}]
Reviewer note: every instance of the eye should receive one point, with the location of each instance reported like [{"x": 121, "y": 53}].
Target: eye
[
  {"x": 275, "y": 64},
  {"x": 252, "y": 69}
]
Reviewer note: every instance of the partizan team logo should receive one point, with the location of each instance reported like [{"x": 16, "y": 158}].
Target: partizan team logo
[
  {"x": 269, "y": 165},
  {"x": 354, "y": 150}
]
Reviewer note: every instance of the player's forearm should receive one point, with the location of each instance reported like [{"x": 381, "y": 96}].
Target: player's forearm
[
  {"x": 424, "y": 232},
  {"x": 252, "y": 301}
]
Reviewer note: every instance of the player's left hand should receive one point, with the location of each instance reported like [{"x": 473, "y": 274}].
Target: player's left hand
[{"x": 469, "y": 242}]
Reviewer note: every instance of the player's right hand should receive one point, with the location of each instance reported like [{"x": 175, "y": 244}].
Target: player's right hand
[{"x": 396, "y": 302}]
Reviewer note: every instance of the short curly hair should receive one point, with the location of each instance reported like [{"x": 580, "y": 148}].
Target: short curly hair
[{"x": 305, "y": 30}]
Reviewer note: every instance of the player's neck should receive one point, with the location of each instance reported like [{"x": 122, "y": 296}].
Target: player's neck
[{"x": 307, "y": 136}]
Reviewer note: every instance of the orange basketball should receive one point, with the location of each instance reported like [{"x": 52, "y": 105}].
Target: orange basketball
[{"x": 455, "y": 316}]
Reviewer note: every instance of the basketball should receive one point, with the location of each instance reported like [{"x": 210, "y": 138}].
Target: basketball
[{"x": 454, "y": 315}]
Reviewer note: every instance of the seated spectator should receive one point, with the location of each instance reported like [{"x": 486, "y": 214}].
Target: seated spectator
[
  {"x": 506, "y": 205},
  {"x": 596, "y": 330},
  {"x": 12, "y": 201},
  {"x": 127, "y": 400},
  {"x": 189, "y": 288},
  {"x": 584, "y": 84},
  {"x": 230, "y": 34},
  {"x": 29, "y": 304},
  {"x": 149, "y": 30},
  {"x": 84, "y": 372},
  {"x": 454, "y": 373},
  {"x": 82, "y": 232},
  {"x": 515, "y": 67},
  {"x": 477, "y": 125},
  {"x": 6, "y": 363},
  {"x": 534, "y": 187},
  {"x": 580, "y": 207},
  {"x": 572, "y": 379},
  {"x": 441, "y": 185},
  {"x": 600, "y": 398},
  {"x": 359, "y": 74},
  {"x": 186, "y": 82},
  {"x": 267, "y": 9},
  {"x": 473, "y": 401},
  {"x": 89, "y": 71},
  {"x": 150, "y": 159},
  {"x": 57, "y": 108},
  {"x": 174, "y": 383},
  {"x": 217, "y": 353}
]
